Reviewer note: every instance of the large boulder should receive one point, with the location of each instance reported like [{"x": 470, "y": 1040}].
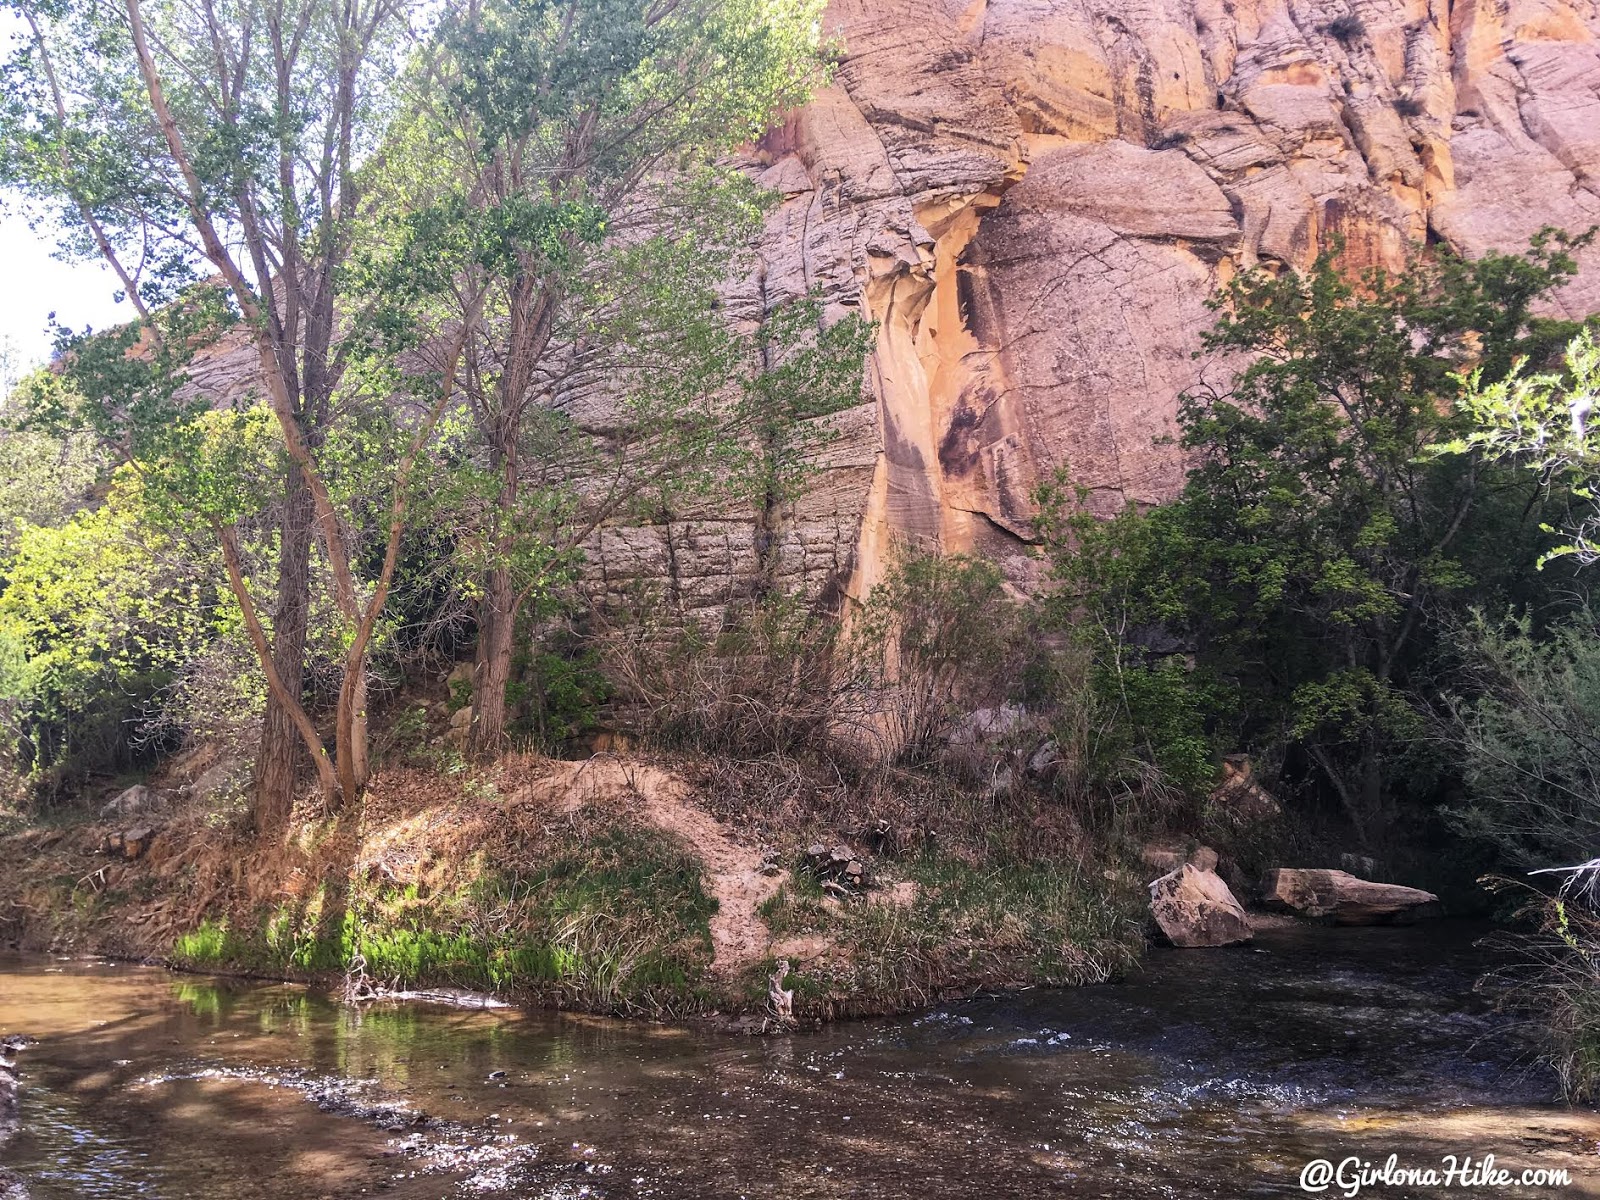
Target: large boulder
[
  {"x": 1195, "y": 908},
  {"x": 135, "y": 800},
  {"x": 1160, "y": 858},
  {"x": 1344, "y": 899}
]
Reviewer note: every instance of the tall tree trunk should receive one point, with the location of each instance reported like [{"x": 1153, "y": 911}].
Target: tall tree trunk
[
  {"x": 491, "y": 670},
  {"x": 281, "y": 755},
  {"x": 497, "y": 616}
]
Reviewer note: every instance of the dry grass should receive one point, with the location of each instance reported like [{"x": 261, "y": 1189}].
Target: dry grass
[{"x": 557, "y": 883}]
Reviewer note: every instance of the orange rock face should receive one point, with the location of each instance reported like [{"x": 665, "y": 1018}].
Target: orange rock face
[{"x": 1035, "y": 198}]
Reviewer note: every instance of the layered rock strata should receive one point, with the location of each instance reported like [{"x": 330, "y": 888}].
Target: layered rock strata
[{"x": 1034, "y": 199}]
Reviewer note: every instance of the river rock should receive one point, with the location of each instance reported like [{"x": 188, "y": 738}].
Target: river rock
[
  {"x": 460, "y": 725},
  {"x": 838, "y": 868},
  {"x": 128, "y": 843},
  {"x": 1344, "y": 899},
  {"x": 1195, "y": 908},
  {"x": 1358, "y": 864},
  {"x": 1239, "y": 798},
  {"x": 1044, "y": 761},
  {"x": 126, "y": 804},
  {"x": 1161, "y": 857}
]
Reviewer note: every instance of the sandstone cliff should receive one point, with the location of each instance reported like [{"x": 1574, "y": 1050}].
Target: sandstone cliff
[{"x": 1035, "y": 198}]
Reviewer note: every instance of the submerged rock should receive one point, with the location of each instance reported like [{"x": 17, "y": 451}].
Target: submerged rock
[
  {"x": 1345, "y": 899},
  {"x": 1194, "y": 907}
]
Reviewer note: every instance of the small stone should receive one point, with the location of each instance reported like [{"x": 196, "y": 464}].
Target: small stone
[
  {"x": 128, "y": 803},
  {"x": 1045, "y": 758}
]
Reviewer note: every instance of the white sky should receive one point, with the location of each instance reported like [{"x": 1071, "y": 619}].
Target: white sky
[{"x": 33, "y": 284}]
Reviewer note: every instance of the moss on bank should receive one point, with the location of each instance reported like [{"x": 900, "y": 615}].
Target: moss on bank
[{"x": 617, "y": 922}]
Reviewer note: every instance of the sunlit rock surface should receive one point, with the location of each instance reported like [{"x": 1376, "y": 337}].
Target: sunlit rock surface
[
  {"x": 1344, "y": 899},
  {"x": 1035, "y": 198}
]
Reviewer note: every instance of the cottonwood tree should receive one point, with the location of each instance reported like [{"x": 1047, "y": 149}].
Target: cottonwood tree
[
  {"x": 590, "y": 216},
  {"x": 226, "y": 138}
]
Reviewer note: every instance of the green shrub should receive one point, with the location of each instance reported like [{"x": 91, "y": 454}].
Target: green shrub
[
  {"x": 1528, "y": 737},
  {"x": 618, "y": 920},
  {"x": 1554, "y": 980},
  {"x": 97, "y": 616},
  {"x": 941, "y": 635},
  {"x": 970, "y": 924}
]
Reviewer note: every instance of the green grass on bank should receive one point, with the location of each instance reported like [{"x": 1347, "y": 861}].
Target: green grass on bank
[
  {"x": 969, "y": 927},
  {"x": 618, "y": 923}
]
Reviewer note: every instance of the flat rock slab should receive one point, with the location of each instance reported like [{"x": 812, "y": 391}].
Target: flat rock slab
[
  {"x": 1344, "y": 899},
  {"x": 1194, "y": 907}
]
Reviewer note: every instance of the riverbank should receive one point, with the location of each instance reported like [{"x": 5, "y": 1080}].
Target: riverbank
[{"x": 627, "y": 885}]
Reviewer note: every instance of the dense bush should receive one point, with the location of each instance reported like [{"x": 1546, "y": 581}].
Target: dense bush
[
  {"x": 940, "y": 638},
  {"x": 97, "y": 617},
  {"x": 1553, "y": 979},
  {"x": 1310, "y": 566},
  {"x": 1528, "y": 734},
  {"x": 771, "y": 680}
]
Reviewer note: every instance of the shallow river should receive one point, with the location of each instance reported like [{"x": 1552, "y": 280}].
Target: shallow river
[{"x": 1211, "y": 1073}]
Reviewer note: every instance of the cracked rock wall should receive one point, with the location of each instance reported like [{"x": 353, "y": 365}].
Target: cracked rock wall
[{"x": 1035, "y": 198}]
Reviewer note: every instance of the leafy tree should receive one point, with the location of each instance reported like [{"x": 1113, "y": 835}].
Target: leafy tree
[
  {"x": 44, "y": 476},
  {"x": 564, "y": 167},
  {"x": 1316, "y": 543},
  {"x": 230, "y": 138},
  {"x": 96, "y": 616},
  {"x": 1135, "y": 707},
  {"x": 1547, "y": 422}
]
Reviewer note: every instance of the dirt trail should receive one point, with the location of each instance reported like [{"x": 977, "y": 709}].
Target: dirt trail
[{"x": 739, "y": 937}]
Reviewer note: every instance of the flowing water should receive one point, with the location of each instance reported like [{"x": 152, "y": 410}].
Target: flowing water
[{"x": 1210, "y": 1073}]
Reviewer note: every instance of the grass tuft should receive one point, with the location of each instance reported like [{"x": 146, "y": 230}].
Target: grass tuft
[{"x": 968, "y": 927}]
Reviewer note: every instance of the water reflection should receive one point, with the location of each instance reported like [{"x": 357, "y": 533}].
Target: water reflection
[{"x": 1212, "y": 1074}]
